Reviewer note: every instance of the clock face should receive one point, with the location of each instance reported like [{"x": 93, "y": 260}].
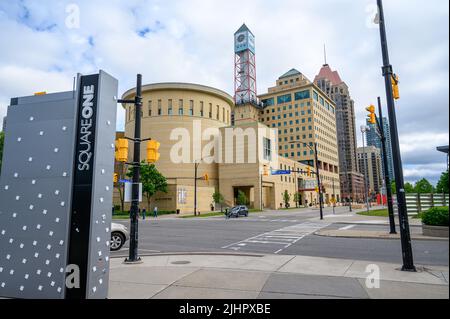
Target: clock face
[{"x": 241, "y": 38}]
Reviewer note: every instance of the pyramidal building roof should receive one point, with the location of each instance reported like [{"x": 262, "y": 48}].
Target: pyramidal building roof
[
  {"x": 327, "y": 73},
  {"x": 243, "y": 28},
  {"x": 290, "y": 73}
]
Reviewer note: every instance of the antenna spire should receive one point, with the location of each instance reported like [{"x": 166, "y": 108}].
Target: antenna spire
[{"x": 325, "y": 53}]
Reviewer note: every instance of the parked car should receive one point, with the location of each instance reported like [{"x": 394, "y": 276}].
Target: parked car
[
  {"x": 119, "y": 236},
  {"x": 237, "y": 212}
]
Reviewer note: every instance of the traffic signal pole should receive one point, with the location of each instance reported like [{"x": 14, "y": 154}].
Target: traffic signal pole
[
  {"x": 387, "y": 180},
  {"x": 133, "y": 256},
  {"x": 408, "y": 263}
]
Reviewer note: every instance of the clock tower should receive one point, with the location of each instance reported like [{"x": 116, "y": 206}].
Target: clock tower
[{"x": 245, "y": 96}]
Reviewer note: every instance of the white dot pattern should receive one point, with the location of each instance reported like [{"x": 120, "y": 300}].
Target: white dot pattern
[{"x": 35, "y": 199}]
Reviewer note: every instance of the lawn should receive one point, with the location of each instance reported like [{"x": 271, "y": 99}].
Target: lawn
[
  {"x": 377, "y": 213},
  {"x": 382, "y": 213}
]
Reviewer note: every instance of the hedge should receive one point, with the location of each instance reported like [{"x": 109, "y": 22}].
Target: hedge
[{"x": 436, "y": 216}]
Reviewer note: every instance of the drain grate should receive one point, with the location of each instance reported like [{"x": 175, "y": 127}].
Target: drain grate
[{"x": 180, "y": 262}]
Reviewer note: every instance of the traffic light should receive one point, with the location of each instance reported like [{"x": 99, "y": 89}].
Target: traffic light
[
  {"x": 317, "y": 189},
  {"x": 395, "y": 89},
  {"x": 152, "y": 151},
  {"x": 122, "y": 150},
  {"x": 116, "y": 178},
  {"x": 308, "y": 171},
  {"x": 206, "y": 177},
  {"x": 265, "y": 170},
  {"x": 372, "y": 118}
]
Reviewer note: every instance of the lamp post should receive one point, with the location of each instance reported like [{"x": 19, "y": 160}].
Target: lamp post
[
  {"x": 316, "y": 164},
  {"x": 196, "y": 165},
  {"x": 365, "y": 129}
]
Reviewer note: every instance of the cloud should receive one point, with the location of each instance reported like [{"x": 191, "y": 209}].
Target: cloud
[{"x": 192, "y": 41}]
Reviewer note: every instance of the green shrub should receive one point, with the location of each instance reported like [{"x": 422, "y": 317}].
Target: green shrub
[{"x": 436, "y": 216}]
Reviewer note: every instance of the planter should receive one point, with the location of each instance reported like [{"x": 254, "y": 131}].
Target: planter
[{"x": 435, "y": 231}]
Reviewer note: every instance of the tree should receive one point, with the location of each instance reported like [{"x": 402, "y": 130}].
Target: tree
[
  {"x": 2, "y": 140},
  {"x": 218, "y": 198},
  {"x": 409, "y": 188},
  {"x": 442, "y": 185},
  {"x": 242, "y": 198},
  {"x": 394, "y": 187},
  {"x": 286, "y": 198},
  {"x": 152, "y": 181},
  {"x": 297, "y": 197},
  {"x": 423, "y": 187}
]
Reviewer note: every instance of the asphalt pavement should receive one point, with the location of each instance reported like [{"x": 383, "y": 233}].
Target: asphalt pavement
[{"x": 277, "y": 232}]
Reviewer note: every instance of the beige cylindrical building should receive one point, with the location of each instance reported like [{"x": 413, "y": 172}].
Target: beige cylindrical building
[{"x": 181, "y": 110}]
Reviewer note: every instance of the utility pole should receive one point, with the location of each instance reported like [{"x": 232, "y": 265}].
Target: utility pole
[
  {"x": 408, "y": 263},
  {"x": 318, "y": 180},
  {"x": 387, "y": 180}
]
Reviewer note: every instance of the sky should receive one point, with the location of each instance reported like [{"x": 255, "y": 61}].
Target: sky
[{"x": 46, "y": 43}]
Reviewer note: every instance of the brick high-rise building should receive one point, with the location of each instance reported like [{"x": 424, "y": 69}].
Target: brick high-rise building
[{"x": 350, "y": 177}]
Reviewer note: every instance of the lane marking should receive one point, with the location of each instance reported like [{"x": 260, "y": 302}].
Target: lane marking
[
  {"x": 286, "y": 237},
  {"x": 347, "y": 227}
]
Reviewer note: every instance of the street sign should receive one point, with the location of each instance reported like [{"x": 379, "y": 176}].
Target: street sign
[
  {"x": 128, "y": 192},
  {"x": 281, "y": 172},
  {"x": 123, "y": 181}
]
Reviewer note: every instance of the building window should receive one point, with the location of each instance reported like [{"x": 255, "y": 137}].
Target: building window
[
  {"x": 268, "y": 102},
  {"x": 201, "y": 108},
  {"x": 302, "y": 95},
  {"x": 210, "y": 110},
  {"x": 191, "y": 108},
  {"x": 267, "y": 144},
  {"x": 217, "y": 112},
  {"x": 150, "y": 108},
  {"x": 159, "y": 107},
  {"x": 169, "y": 109},
  {"x": 180, "y": 107},
  {"x": 284, "y": 99},
  {"x": 315, "y": 96}
]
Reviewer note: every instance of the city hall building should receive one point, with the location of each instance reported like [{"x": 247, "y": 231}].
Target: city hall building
[{"x": 193, "y": 123}]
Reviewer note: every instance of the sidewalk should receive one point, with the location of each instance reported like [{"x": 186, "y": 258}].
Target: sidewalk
[{"x": 205, "y": 276}]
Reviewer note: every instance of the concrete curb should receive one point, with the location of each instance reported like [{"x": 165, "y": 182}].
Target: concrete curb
[
  {"x": 194, "y": 254},
  {"x": 375, "y": 235}
]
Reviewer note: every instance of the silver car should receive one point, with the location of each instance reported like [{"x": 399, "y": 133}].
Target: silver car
[{"x": 119, "y": 236}]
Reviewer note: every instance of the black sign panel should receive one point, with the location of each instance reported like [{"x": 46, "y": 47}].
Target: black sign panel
[{"x": 82, "y": 181}]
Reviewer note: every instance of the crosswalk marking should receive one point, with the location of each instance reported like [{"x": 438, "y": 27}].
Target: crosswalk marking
[{"x": 284, "y": 237}]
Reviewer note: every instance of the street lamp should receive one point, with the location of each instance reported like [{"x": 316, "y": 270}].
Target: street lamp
[
  {"x": 316, "y": 165},
  {"x": 196, "y": 165},
  {"x": 365, "y": 129}
]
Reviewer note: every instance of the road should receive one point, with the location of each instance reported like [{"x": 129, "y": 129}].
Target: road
[{"x": 286, "y": 233}]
